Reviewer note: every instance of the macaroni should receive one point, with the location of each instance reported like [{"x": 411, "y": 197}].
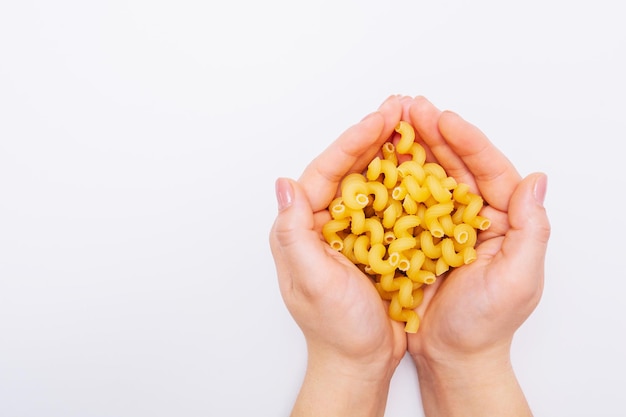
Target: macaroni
[
  {"x": 404, "y": 224},
  {"x": 383, "y": 167},
  {"x": 330, "y": 229},
  {"x": 354, "y": 191}
]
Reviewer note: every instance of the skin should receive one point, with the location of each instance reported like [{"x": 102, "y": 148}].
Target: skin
[{"x": 469, "y": 316}]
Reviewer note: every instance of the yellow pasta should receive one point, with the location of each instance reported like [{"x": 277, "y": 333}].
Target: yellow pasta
[
  {"x": 470, "y": 215},
  {"x": 330, "y": 229},
  {"x": 413, "y": 188},
  {"x": 418, "y": 153},
  {"x": 384, "y": 167},
  {"x": 389, "y": 152},
  {"x": 409, "y": 205},
  {"x": 380, "y": 193},
  {"x": 375, "y": 230},
  {"x": 407, "y": 137},
  {"x": 376, "y": 261},
  {"x": 337, "y": 209},
  {"x": 354, "y": 191},
  {"x": 404, "y": 224},
  {"x": 437, "y": 190},
  {"x": 441, "y": 266},
  {"x": 362, "y": 249},
  {"x": 428, "y": 245},
  {"x": 397, "y": 247},
  {"x": 431, "y": 217},
  {"x": 464, "y": 234},
  {"x": 391, "y": 213},
  {"x": 388, "y": 283},
  {"x": 357, "y": 223},
  {"x": 449, "y": 254},
  {"x": 348, "y": 247}
]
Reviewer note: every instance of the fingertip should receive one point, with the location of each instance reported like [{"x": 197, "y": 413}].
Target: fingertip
[
  {"x": 526, "y": 210},
  {"x": 540, "y": 188},
  {"x": 391, "y": 111},
  {"x": 295, "y": 215},
  {"x": 284, "y": 193},
  {"x": 393, "y": 104},
  {"x": 420, "y": 105},
  {"x": 421, "y": 100},
  {"x": 447, "y": 119}
]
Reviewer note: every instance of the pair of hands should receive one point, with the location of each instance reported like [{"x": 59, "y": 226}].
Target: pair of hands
[{"x": 468, "y": 317}]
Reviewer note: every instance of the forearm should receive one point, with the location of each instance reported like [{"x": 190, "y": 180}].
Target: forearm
[
  {"x": 471, "y": 387},
  {"x": 334, "y": 388}
]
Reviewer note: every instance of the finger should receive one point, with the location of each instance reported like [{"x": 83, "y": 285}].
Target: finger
[
  {"x": 425, "y": 119},
  {"x": 295, "y": 245},
  {"x": 351, "y": 152},
  {"x": 525, "y": 244},
  {"x": 406, "y": 104},
  {"x": 495, "y": 176}
]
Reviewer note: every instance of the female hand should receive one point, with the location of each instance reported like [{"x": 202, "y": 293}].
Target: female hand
[
  {"x": 469, "y": 317},
  {"x": 353, "y": 346}
]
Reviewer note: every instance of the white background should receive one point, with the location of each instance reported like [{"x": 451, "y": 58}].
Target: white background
[{"x": 140, "y": 141}]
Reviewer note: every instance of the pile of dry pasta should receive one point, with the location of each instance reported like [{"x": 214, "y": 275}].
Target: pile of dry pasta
[{"x": 404, "y": 224}]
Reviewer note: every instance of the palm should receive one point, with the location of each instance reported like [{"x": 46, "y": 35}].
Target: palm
[
  {"x": 364, "y": 313},
  {"x": 461, "y": 311}
]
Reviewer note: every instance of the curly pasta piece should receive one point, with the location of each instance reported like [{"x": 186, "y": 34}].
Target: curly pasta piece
[
  {"x": 397, "y": 248},
  {"x": 404, "y": 223},
  {"x": 431, "y": 217},
  {"x": 449, "y": 254},
  {"x": 330, "y": 229},
  {"x": 381, "y": 195},
  {"x": 389, "y": 152},
  {"x": 383, "y": 167},
  {"x": 415, "y": 190},
  {"x": 376, "y": 261},
  {"x": 391, "y": 213},
  {"x": 407, "y": 137},
  {"x": 412, "y": 169},
  {"x": 362, "y": 249},
  {"x": 437, "y": 190},
  {"x": 348, "y": 247},
  {"x": 354, "y": 191},
  {"x": 375, "y": 230}
]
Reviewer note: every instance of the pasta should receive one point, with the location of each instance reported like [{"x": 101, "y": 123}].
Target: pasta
[{"x": 404, "y": 224}]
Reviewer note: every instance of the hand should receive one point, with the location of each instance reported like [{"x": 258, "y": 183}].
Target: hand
[
  {"x": 469, "y": 317},
  {"x": 353, "y": 346}
]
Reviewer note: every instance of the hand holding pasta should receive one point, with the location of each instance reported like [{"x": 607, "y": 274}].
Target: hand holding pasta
[
  {"x": 462, "y": 351},
  {"x": 404, "y": 223},
  {"x": 353, "y": 346}
]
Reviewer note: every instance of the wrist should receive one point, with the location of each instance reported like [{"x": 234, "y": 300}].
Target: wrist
[
  {"x": 340, "y": 386},
  {"x": 464, "y": 367},
  {"x": 470, "y": 384}
]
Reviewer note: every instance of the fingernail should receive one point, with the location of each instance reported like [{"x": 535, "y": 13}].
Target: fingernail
[
  {"x": 541, "y": 185},
  {"x": 284, "y": 193}
]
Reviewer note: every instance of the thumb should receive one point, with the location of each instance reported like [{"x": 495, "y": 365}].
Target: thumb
[
  {"x": 526, "y": 211},
  {"x": 296, "y": 245},
  {"x": 527, "y": 240},
  {"x": 295, "y": 215}
]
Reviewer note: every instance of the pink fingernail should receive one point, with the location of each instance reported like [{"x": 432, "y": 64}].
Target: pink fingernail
[
  {"x": 541, "y": 186},
  {"x": 284, "y": 193}
]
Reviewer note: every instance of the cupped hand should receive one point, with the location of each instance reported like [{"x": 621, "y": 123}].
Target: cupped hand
[
  {"x": 336, "y": 306},
  {"x": 478, "y": 307}
]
